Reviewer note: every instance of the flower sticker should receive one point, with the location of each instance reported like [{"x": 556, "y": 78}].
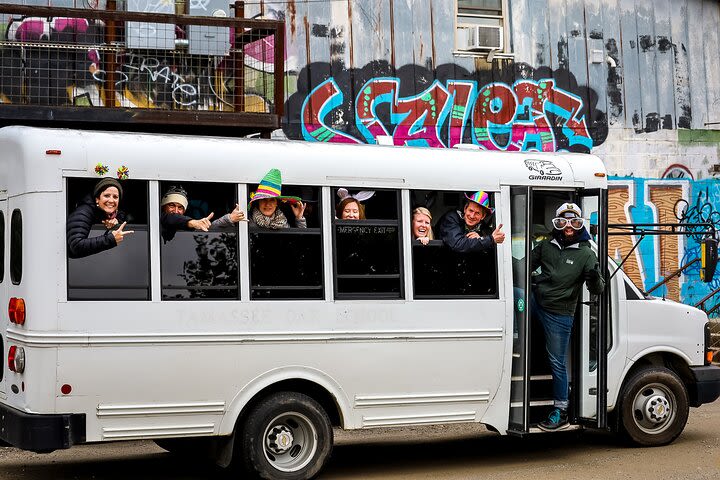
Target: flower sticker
[
  {"x": 123, "y": 173},
  {"x": 101, "y": 169}
]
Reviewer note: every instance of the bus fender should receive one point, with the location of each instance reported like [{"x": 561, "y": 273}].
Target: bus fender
[{"x": 296, "y": 372}]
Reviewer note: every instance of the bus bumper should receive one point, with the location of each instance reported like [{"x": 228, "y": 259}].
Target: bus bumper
[
  {"x": 705, "y": 387},
  {"x": 40, "y": 433}
]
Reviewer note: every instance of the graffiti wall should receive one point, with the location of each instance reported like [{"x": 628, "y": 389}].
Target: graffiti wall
[{"x": 535, "y": 113}]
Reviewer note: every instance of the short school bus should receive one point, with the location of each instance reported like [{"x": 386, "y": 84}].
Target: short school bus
[{"x": 249, "y": 345}]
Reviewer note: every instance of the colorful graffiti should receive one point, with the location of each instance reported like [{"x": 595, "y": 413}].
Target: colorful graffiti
[
  {"x": 685, "y": 201},
  {"x": 152, "y": 79},
  {"x": 529, "y": 114}
]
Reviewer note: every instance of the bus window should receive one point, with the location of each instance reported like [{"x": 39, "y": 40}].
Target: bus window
[
  {"x": 121, "y": 272},
  {"x": 16, "y": 247},
  {"x": 198, "y": 265},
  {"x": 287, "y": 263},
  {"x": 2, "y": 246},
  {"x": 368, "y": 255},
  {"x": 439, "y": 272}
]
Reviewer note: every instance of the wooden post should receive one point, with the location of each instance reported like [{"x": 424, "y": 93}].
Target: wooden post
[
  {"x": 108, "y": 56},
  {"x": 279, "y": 70},
  {"x": 239, "y": 57}
]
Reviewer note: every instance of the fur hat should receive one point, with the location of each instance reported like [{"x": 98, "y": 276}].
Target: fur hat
[
  {"x": 175, "y": 195},
  {"x": 106, "y": 183},
  {"x": 270, "y": 187}
]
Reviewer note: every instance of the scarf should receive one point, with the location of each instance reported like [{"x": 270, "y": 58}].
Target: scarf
[
  {"x": 564, "y": 241},
  {"x": 276, "y": 221}
]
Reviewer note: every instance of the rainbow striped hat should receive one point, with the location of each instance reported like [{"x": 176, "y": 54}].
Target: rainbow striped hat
[
  {"x": 481, "y": 198},
  {"x": 270, "y": 187}
]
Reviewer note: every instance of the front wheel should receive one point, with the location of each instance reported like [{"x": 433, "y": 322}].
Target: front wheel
[
  {"x": 654, "y": 407},
  {"x": 286, "y": 436}
]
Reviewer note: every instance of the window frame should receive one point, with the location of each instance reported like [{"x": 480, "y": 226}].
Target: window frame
[
  {"x": 2, "y": 246},
  {"x": 460, "y": 22},
  {"x": 16, "y": 247},
  {"x": 398, "y": 223}
]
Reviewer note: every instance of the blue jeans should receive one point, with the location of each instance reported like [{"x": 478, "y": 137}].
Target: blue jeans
[{"x": 557, "y": 338}]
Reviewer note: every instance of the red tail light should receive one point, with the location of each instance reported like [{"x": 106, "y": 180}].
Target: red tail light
[
  {"x": 16, "y": 359},
  {"x": 16, "y": 311}
]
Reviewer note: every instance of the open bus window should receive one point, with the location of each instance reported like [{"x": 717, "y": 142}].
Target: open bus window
[
  {"x": 197, "y": 265},
  {"x": 438, "y": 271},
  {"x": 287, "y": 263},
  {"x": 368, "y": 255},
  {"x": 123, "y": 271}
]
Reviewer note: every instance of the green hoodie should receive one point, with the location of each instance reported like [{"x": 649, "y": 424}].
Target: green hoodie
[{"x": 562, "y": 272}]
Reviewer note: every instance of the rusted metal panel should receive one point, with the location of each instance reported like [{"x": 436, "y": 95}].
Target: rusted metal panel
[
  {"x": 613, "y": 60},
  {"x": 577, "y": 48},
  {"x": 711, "y": 21},
  {"x": 539, "y": 33},
  {"x": 631, "y": 66},
  {"x": 520, "y": 17},
  {"x": 664, "y": 60},
  {"x": 681, "y": 67},
  {"x": 696, "y": 62},
  {"x": 647, "y": 49},
  {"x": 597, "y": 66},
  {"x": 404, "y": 46},
  {"x": 558, "y": 35},
  {"x": 370, "y": 32}
]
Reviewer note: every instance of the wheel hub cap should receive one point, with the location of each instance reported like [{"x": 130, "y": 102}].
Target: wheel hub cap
[
  {"x": 657, "y": 408},
  {"x": 280, "y": 439}
]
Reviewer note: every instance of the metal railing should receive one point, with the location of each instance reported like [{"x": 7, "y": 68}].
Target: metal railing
[{"x": 135, "y": 67}]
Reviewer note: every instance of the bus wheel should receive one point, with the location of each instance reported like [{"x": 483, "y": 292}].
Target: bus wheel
[
  {"x": 654, "y": 407},
  {"x": 286, "y": 436}
]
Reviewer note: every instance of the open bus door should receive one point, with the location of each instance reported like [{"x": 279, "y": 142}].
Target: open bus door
[{"x": 531, "y": 385}]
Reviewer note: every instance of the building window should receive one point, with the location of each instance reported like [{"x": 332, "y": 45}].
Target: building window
[{"x": 480, "y": 26}]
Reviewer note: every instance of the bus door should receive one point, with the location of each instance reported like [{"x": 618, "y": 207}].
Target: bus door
[
  {"x": 531, "y": 384},
  {"x": 592, "y": 332},
  {"x": 4, "y": 280}
]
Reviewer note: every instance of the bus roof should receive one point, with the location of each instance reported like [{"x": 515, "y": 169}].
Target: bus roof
[{"x": 30, "y": 153}]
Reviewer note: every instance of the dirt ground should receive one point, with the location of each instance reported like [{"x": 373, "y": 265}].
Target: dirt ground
[{"x": 438, "y": 452}]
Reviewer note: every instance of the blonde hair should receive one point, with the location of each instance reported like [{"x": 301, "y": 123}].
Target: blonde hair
[{"x": 426, "y": 212}]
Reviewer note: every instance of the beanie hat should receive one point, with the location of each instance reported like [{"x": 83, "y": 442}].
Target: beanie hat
[
  {"x": 175, "y": 195},
  {"x": 106, "y": 183}
]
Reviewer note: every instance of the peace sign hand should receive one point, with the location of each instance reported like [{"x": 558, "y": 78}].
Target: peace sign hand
[{"x": 119, "y": 234}]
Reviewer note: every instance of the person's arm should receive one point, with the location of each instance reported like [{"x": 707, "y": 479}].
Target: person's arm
[
  {"x": 174, "y": 221},
  {"x": 452, "y": 233},
  {"x": 222, "y": 222},
  {"x": 78, "y": 226},
  {"x": 301, "y": 222}
]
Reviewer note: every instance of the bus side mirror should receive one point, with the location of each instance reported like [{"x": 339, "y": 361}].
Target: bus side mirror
[{"x": 708, "y": 259}]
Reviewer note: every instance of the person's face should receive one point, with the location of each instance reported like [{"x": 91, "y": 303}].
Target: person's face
[
  {"x": 351, "y": 211},
  {"x": 108, "y": 200},
  {"x": 175, "y": 208},
  {"x": 420, "y": 225},
  {"x": 568, "y": 231},
  {"x": 267, "y": 206},
  {"x": 474, "y": 213}
]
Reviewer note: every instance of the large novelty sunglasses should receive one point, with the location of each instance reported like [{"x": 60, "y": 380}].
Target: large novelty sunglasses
[{"x": 560, "y": 223}]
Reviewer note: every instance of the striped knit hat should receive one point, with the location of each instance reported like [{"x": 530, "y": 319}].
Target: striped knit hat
[
  {"x": 270, "y": 187},
  {"x": 482, "y": 199}
]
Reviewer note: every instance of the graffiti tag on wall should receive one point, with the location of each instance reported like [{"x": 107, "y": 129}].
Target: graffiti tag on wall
[{"x": 522, "y": 115}]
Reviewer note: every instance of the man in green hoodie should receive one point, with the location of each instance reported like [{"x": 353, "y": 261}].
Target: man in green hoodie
[{"x": 565, "y": 261}]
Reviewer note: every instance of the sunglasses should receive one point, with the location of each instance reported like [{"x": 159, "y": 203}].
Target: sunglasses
[{"x": 576, "y": 223}]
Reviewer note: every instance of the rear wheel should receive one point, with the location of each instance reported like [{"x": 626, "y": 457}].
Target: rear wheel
[
  {"x": 654, "y": 407},
  {"x": 286, "y": 436}
]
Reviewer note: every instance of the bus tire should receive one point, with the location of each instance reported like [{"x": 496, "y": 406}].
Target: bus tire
[
  {"x": 286, "y": 436},
  {"x": 654, "y": 407}
]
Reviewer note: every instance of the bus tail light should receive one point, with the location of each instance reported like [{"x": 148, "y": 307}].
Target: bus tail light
[
  {"x": 16, "y": 359},
  {"x": 16, "y": 311}
]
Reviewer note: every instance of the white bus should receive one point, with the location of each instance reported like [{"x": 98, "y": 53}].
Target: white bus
[{"x": 250, "y": 345}]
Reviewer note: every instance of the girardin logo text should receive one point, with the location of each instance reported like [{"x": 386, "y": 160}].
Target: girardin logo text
[{"x": 545, "y": 168}]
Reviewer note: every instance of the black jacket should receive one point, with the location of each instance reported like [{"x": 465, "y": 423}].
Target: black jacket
[
  {"x": 79, "y": 223},
  {"x": 452, "y": 231}
]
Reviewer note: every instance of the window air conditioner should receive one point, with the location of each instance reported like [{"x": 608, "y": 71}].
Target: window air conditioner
[{"x": 485, "y": 37}]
